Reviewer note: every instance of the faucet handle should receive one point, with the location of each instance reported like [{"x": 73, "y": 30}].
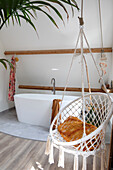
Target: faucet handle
[{"x": 53, "y": 79}]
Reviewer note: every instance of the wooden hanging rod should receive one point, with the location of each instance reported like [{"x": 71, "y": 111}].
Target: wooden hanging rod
[
  {"x": 58, "y": 88},
  {"x": 58, "y": 51}
]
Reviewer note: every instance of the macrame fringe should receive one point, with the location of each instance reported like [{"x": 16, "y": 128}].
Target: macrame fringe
[
  {"x": 94, "y": 162},
  {"x": 51, "y": 158},
  {"x": 47, "y": 151},
  {"x": 105, "y": 156},
  {"x": 61, "y": 158},
  {"x": 84, "y": 163},
  {"x": 75, "y": 162},
  {"x": 102, "y": 161}
]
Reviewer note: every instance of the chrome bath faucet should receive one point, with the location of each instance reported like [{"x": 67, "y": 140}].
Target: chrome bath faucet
[{"x": 53, "y": 82}]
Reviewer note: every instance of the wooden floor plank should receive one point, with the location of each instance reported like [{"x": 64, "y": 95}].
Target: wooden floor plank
[
  {"x": 7, "y": 156},
  {"x": 8, "y": 141},
  {"x": 16, "y": 156},
  {"x": 22, "y": 154},
  {"x": 29, "y": 160}
]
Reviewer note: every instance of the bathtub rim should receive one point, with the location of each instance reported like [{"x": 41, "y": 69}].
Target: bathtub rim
[{"x": 34, "y": 96}]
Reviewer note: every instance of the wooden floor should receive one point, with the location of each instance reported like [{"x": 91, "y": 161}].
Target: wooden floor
[{"x": 22, "y": 154}]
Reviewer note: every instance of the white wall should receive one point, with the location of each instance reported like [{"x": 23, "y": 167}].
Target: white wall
[
  {"x": 111, "y": 72},
  {"x": 24, "y": 37},
  {"x": 111, "y": 68},
  {"x": 37, "y": 69},
  {"x": 4, "y": 78}
]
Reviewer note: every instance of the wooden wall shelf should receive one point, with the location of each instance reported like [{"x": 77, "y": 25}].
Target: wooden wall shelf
[
  {"x": 59, "y": 88},
  {"x": 73, "y": 89},
  {"x": 57, "y": 51}
]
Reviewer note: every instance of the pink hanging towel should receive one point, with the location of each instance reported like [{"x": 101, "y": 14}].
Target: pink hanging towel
[{"x": 12, "y": 80}]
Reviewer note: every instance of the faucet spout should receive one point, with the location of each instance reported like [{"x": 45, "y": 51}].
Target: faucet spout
[{"x": 53, "y": 82}]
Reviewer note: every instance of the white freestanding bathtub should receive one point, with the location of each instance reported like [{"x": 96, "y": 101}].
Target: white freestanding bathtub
[{"x": 36, "y": 109}]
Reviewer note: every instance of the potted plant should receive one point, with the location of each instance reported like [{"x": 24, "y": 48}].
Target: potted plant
[{"x": 27, "y": 10}]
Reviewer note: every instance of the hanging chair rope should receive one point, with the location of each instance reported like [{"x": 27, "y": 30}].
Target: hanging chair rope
[
  {"x": 82, "y": 74},
  {"x": 102, "y": 64},
  {"x": 82, "y": 68},
  {"x": 87, "y": 74},
  {"x": 81, "y": 8},
  {"x": 100, "y": 18},
  {"x": 101, "y": 78},
  {"x": 74, "y": 55},
  {"x": 87, "y": 78}
]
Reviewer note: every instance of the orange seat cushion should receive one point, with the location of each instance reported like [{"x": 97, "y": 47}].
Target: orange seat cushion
[{"x": 72, "y": 129}]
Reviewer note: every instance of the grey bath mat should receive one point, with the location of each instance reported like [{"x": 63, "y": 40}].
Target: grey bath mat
[{"x": 10, "y": 125}]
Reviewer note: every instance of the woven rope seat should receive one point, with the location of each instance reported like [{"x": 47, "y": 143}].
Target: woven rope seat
[{"x": 97, "y": 113}]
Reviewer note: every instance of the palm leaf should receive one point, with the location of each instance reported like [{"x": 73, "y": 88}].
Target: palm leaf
[
  {"x": 47, "y": 4},
  {"x": 51, "y": 18},
  {"x": 26, "y": 9},
  {"x": 27, "y": 20},
  {"x": 60, "y": 4},
  {"x": 18, "y": 18},
  {"x": 9, "y": 63},
  {"x": 4, "y": 61},
  {"x": 4, "y": 64}
]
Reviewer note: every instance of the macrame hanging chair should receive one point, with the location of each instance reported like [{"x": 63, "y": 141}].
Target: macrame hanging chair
[{"x": 91, "y": 111}]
